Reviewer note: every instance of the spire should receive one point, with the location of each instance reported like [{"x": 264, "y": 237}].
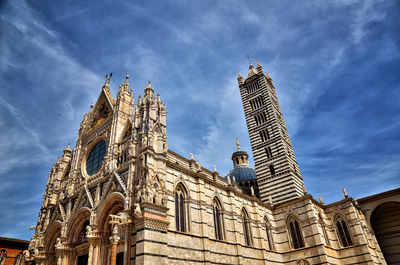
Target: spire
[
  {"x": 127, "y": 78},
  {"x": 240, "y": 78},
  {"x": 68, "y": 148},
  {"x": 149, "y": 90},
  {"x": 259, "y": 67}
]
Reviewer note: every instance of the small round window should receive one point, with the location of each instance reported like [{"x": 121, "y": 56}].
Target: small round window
[{"x": 95, "y": 158}]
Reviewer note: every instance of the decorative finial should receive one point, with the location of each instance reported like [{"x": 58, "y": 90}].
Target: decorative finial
[
  {"x": 91, "y": 106},
  {"x": 239, "y": 75},
  {"x": 345, "y": 192},
  {"x": 258, "y": 64},
  {"x": 127, "y": 78},
  {"x": 267, "y": 75},
  {"x": 237, "y": 144},
  {"x": 248, "y": 57},
  {"x": 320, "y": 199},
  {"x": 191, "y": 156},
  {"x": 215, "y": 168},
  {"x": 68, "y": 148}
]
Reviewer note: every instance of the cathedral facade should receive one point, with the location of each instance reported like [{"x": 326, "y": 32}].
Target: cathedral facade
[{"x": 122, "y": 197}]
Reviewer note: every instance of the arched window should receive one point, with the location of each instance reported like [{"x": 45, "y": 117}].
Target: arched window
[
  {"x": 246, "y": 228},
  {"x": 268, "y": 230},
  {"x": 343, "y": 232},
  {"x": 19, "y": 259},
  {"x": 218, "y": 220},
  {"x": 295, "y": 233},
  {"x": 180, "y": 209}
]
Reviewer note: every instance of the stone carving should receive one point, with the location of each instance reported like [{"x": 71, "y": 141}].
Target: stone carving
[
  {"x": 345, "y": 192},
  {"x": 198, "y": 165},
  {"x": 165, "y": 148},
  {"x": 252, "y": 191},
  {"x": 89, "y": 231},
  {"x": 58, "y": 243},
  {"x": 122, "y": 218},
  {"x": 27, "y": 254},
  {"x": 137, "y": 212}
]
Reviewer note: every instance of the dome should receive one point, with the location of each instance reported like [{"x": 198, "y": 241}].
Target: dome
[{"x": 243, "y": 173}]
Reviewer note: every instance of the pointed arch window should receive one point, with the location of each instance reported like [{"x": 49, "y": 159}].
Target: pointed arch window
[
  {"x": 180, "y": 209},
  {"x": 218, "y": 219},
  {"x": 246, "y": 228},
  {"x": 268, "y": 230},
  {"x": 295, "y": 233},
  {"x": 343, "y": 232}
]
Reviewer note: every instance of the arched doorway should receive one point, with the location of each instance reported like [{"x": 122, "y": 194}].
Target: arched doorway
[
  {"x": 111, "y": 206},
  {"x": 385, "y": 221},
  {"x": 77, "y": 237},
  {"x": 52, "y": 234}
]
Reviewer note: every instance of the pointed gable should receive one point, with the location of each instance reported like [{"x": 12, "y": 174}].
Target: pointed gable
[{"x": 103, "y": 108}]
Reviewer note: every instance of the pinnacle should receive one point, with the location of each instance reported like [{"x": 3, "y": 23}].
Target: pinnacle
[
  {"x": 127, "y": 78},
  {"x": 239, "y": 75}
]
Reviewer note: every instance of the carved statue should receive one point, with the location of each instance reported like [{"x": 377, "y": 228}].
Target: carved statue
[
  {"x": 58, "y": 243},
  {"x": 92, "y": 217},
  {"x": 164, "y": 199},
  {"x": 27, "y": 254},
  {"x": 115, "y": 230},
  {"x": 198, "y": 165},
  {"x": 144, "y": 141},
  {"x": 137, "y": 212},
  {"x": 88, "y": 231},
  {"x": 191, "y": 156},
  {"x": 252, "y": 191}
]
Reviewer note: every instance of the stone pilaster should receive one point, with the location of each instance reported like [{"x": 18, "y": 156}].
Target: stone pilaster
[{"x": 150, "y": 234}]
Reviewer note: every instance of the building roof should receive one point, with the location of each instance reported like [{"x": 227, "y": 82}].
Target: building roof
[{"x": 242, "y": 173}]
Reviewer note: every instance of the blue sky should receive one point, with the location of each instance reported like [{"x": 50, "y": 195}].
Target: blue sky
[{"x": 335, "y": 65}]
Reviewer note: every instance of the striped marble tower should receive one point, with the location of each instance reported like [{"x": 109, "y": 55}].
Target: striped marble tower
[{"x": 277, "y": 170}]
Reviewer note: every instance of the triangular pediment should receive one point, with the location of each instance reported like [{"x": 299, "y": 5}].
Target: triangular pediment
[{"x": 102, "y": 110}]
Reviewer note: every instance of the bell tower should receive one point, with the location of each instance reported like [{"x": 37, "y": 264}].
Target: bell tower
[{"x": 278, "y": 174}]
